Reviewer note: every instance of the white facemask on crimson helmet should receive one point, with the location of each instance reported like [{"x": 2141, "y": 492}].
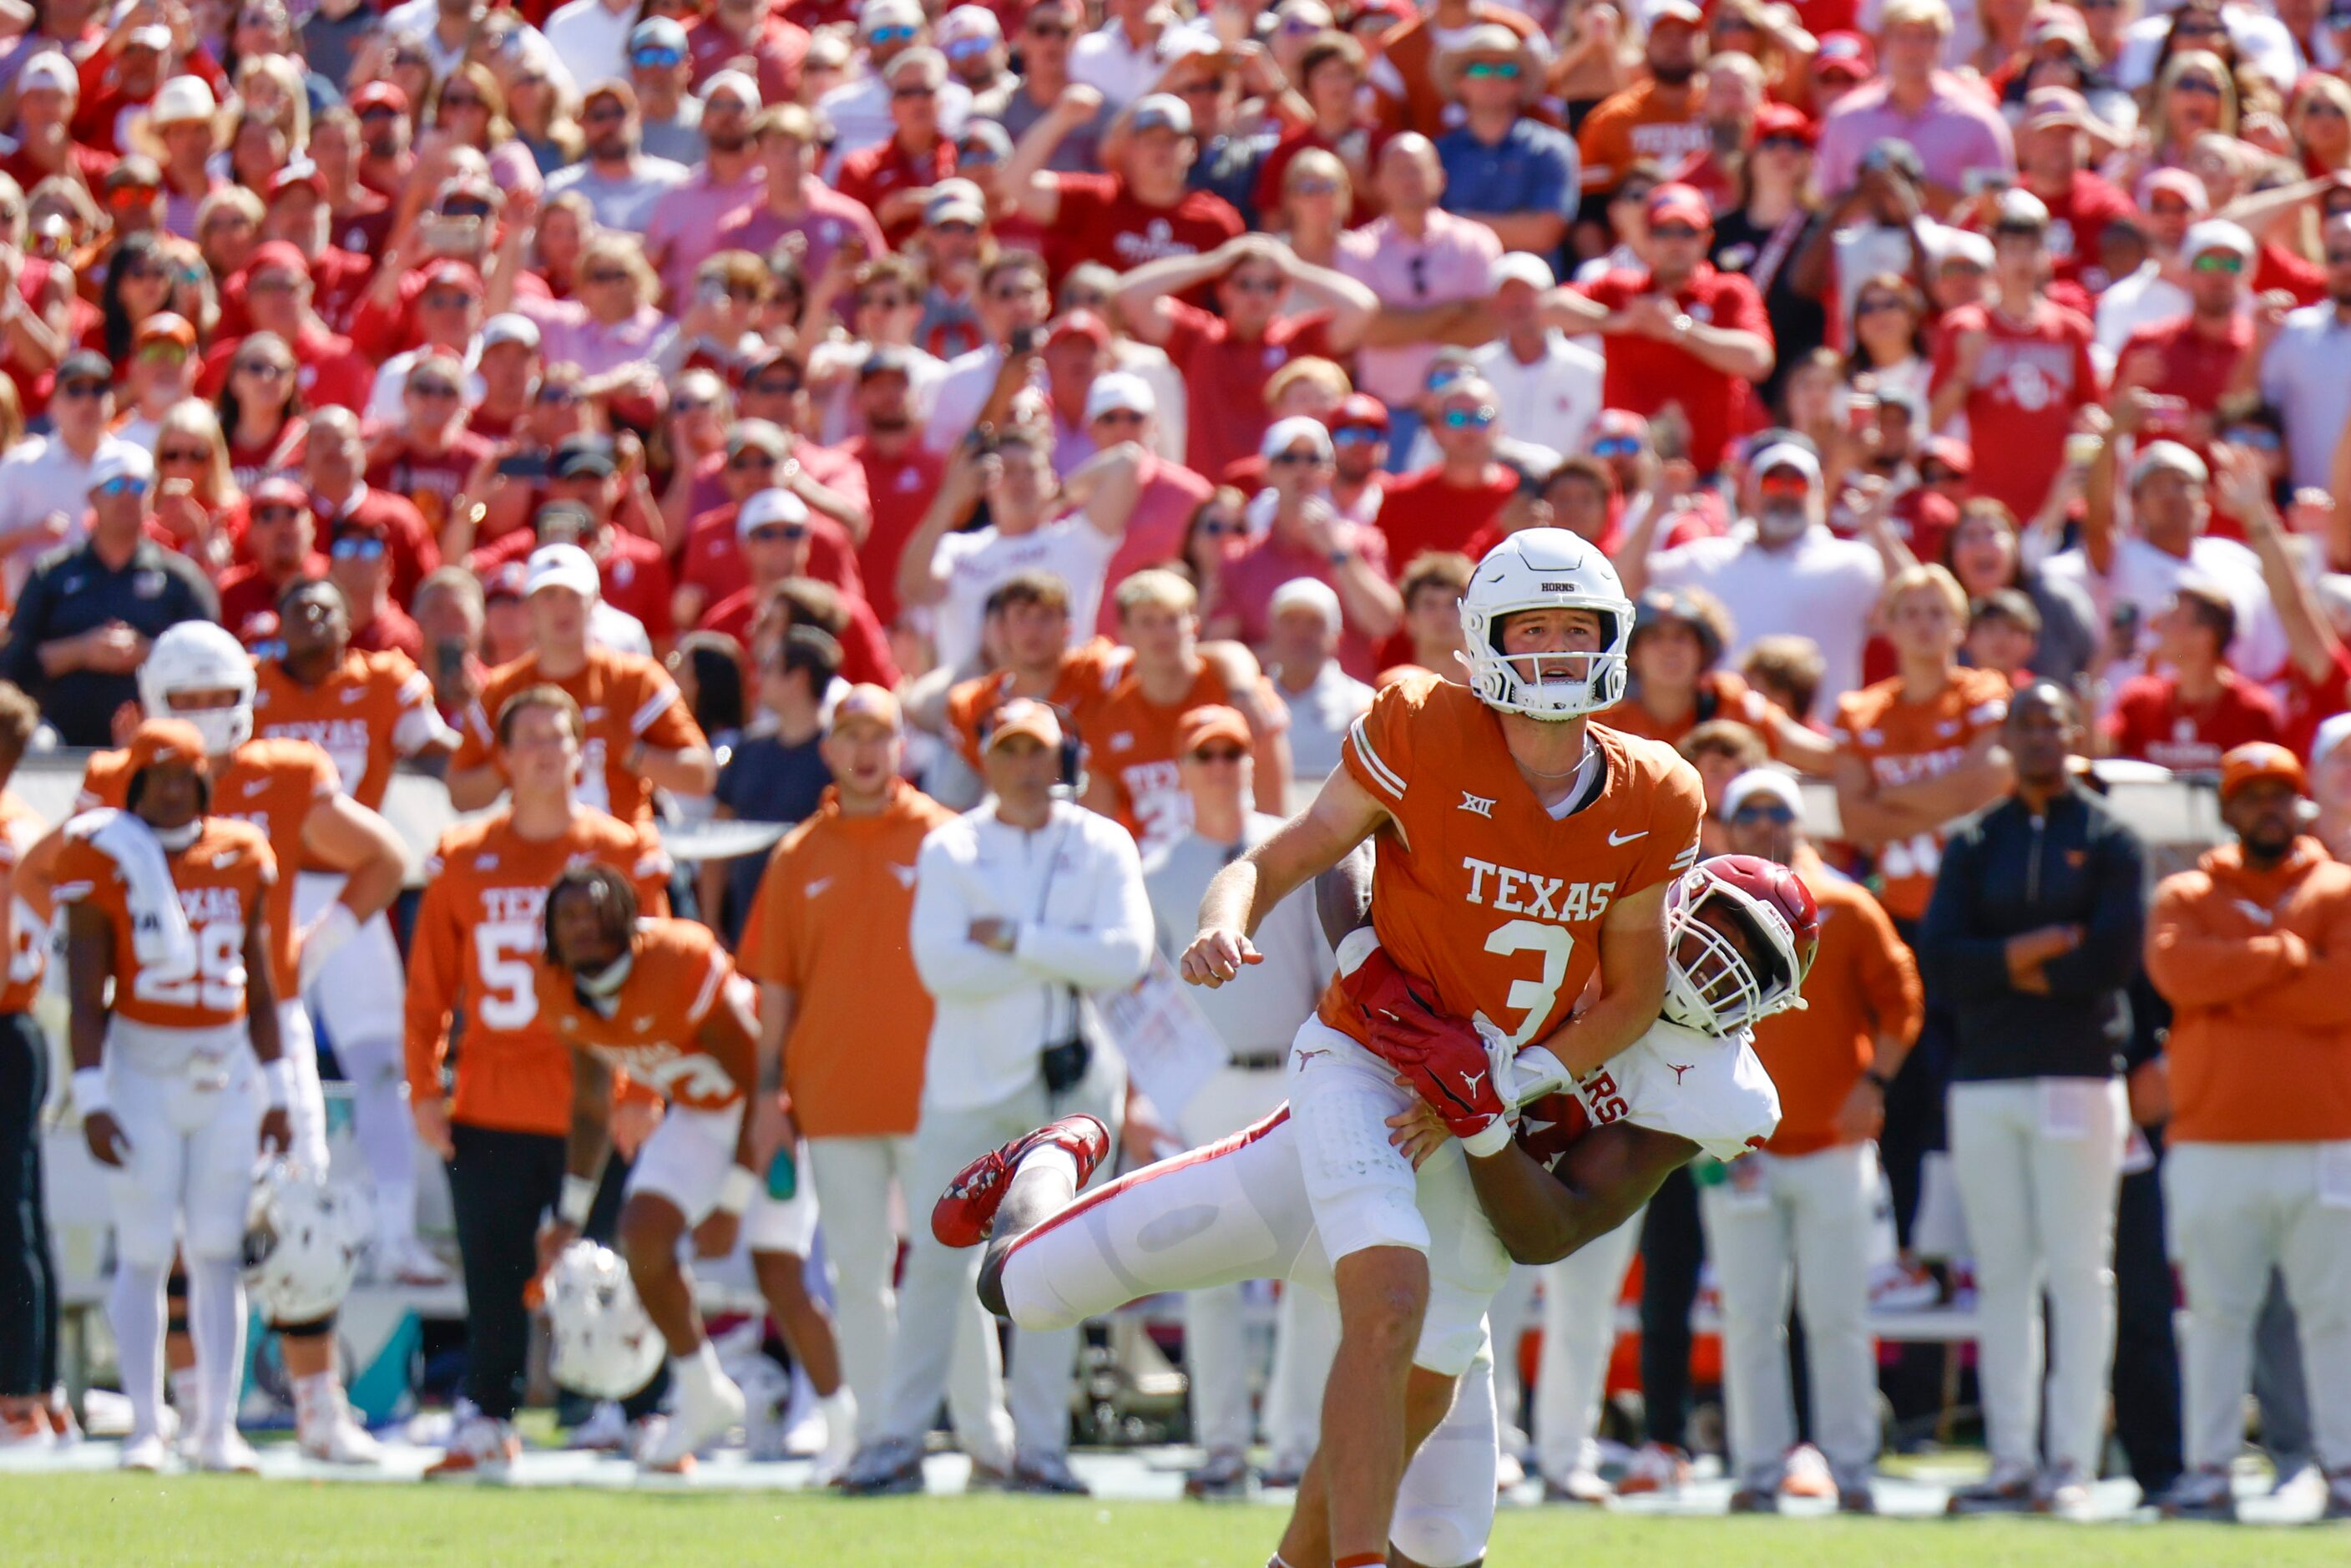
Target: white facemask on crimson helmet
[
  {"x": 201, "y": 656},
  {"x": 1545, "y": 569},
  {"x": 1710, "y": 985},
  {"x": 604, "y": 1344}
]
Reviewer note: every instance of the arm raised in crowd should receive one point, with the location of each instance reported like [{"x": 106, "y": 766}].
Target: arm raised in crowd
[{"x": 1034, "y": 190}]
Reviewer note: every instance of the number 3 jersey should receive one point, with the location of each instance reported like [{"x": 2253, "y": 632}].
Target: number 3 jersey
[
  {"x": 224, "y": 878},
  {"x": 1479, "y": 890},
  {"x": 475, "y": 956},
  {"x": 651, "y": 1028},
  {"x": 269, "y": 784}
]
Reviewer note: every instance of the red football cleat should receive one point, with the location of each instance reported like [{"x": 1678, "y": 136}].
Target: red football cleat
[{"x": 966, "y": 1210}]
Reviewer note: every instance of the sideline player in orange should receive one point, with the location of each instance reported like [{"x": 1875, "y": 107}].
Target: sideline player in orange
[
  {"x": 169, "y": 904},
  {"x": 660, "y": 1000},
  {"x": 1522, "y": 849},
  {"x": 476, "y": 947},
  {"x": 365, "y": 711},
  {"x": 199, "y": 673},
  {"x": 636, "y": 736}
]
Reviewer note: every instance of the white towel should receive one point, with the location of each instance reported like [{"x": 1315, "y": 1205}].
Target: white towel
[{"x": 160, "y": 934}]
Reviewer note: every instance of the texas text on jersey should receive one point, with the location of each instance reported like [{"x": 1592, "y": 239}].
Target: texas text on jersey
[
  {"x": 1481, "y": 892},
  {"x": 269, "y": 784},
  {"x": 368, "y": 713},
  {"x": 650, "y": 1027}
]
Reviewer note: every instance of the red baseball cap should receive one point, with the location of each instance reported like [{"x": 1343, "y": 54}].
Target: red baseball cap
[
  {"x": 277, "y": 487},
  {"x": 1361, "y": 408},
  {"x": 1672, "y": 203},
  {"x": 1846, "y": 55},
  {"x": 460, "y": 273},
  {"x": 380, "y": 95},
  {"x": 283, "y": 255},
  {"x": 1783, "y": 120},
  {"x": 1080, "y": 324},
  {"x": 1950, "y": 452}
]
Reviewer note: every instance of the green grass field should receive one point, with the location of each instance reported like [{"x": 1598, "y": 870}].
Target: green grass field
[{"x": 108, "y": 1519}]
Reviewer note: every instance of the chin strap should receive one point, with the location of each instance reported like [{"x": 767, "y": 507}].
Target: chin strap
[
  {"x": 179, "y": 838},
  {"x": 601, "y": 990}
]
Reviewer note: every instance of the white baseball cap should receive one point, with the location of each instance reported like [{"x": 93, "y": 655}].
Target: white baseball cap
[
  {"x": 1119, "y": 390},
  {"x": 1307, "y": 593},
  {"x": 1284, "y": 434},
  {"x": 2157, "y": 456},
  {"x": 510, "y": 327},
  {"x": 1761, "y": 781},
  {"x": 1786, "y": 454},
  {"x": 121, "y": 459},
  {"x": 562, "y": 566},
  {"x": 1520, "y": 266},
  {"x": 2217, "y": 234},
  {"x": 767, "y": 507}
]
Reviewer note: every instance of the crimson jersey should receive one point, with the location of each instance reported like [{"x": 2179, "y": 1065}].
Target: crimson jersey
[
  {"x": 369, "y": 711},
  {"x": 1477, "y": 889},
  {"x": 678, "y": 977},
  {"x": 224, "y": 876},
  {"x": 271, "y": 784},
  {"x": 2149, "y": 722},
  {"x": 2033, "y": 376}
]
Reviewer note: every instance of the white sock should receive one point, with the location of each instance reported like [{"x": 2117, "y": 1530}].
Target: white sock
[
  {"x": 216, "y": 1323},
  {"x": 134, "y": 1310},
  {"x": 699, "y": 1372},
  {"x": 385, "y": 1132},
  {"x": 185, "y": 1392},
  {"x": 315, "y": 1397},
  {"x": 839, "y": 1408},
  {"x": 1050, "y": 1157}
]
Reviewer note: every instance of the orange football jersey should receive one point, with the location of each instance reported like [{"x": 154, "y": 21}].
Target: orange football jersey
[
  {"x": 20, "y": 830},
  {"x": 622, "y": 699},
  {"x": 1722, "y": 694},
  {"x": 1477, "y": 889},
  {"x": 1087, "y": 674},
  {"x": 654, "y": 1031},
  {"x": 477, "y": 951},
  {"x": 375, "y": 709},
  {"x": 224, "y": 879},
  {"x": 1131, "y": 740},
  {"x": 271, "y": 784},
  {"x": 1904, "y": 742}
]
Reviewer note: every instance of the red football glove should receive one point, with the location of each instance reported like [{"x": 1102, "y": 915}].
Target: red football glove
[
  {"x": 1378, "y": 992},
  {"x": 1445, "y": 1061}
]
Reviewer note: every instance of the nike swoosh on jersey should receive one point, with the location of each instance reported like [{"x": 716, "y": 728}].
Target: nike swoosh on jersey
[
  {"x": 817, "y": 885},
  {"x": 254, "y": 787},
  {"x": 1615, "y": 839}
]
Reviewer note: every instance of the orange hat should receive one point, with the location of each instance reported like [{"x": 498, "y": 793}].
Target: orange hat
[
  {"x": 164, "y": 324},
  {"x": 1214, "y": 722},
  {"x": 1026, "y": 716},
  {"x": 866, "y": 703},
  {"x": 2261, "y": 759},
  {"x": 167, "y": 740}
]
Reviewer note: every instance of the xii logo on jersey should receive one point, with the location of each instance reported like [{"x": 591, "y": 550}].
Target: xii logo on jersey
[
  {"x": 1510, "y": 891},
  {"x": 1477, "y": 805}
]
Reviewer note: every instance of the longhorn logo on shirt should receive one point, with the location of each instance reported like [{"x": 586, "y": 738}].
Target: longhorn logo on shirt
[{"x": 1678, "y": 1071}]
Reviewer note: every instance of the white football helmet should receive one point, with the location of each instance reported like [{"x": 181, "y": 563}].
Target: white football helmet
[
  {"x": 604, "y": 1345},
  {"x": 302, "y": 1244},
  {"x": 1545, "y": 569},
  {"x": 1716, "y": 988},
  {"x": 201, "y": 656}
]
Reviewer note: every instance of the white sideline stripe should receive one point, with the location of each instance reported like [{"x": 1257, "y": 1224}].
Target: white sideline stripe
[{"x": 1387, "y": 777}]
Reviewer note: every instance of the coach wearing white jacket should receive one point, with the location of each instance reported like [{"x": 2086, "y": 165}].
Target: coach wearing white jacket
[{"x": 1023, "y": 907}]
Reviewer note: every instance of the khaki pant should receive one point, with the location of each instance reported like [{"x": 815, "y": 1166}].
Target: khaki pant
[
  {"x": 2236, "y": 1212},
  {"x": 1579, "y": 1336}
]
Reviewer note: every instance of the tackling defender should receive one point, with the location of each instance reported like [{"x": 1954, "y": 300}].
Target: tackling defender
[
  {"x": 1521, "y": 850},
  {"x": 661, "y": 1000},
  {"x": 1587, "y": 1154}
]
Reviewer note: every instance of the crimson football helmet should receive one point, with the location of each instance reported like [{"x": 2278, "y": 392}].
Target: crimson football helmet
[{"x": 1718, "y": 984}]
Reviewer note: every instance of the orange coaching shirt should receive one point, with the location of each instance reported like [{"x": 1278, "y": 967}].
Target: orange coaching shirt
[
  {"x": 830, "y": 922},
  {"x": 476, "y": 953},
  {"x": 373, "y": 710},
  {"x": 224, "y": 877},
  {"x": 1479, "y": 891},
  {"x": 623, "y": 699},
  {"x": 654, "y": 1033},
  {"x": 270, "y": 784},
  {"x": 1904, "y": 742}
]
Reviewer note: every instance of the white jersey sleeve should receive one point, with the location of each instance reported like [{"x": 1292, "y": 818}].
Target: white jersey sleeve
[{"x": 1710, "y": 1089}]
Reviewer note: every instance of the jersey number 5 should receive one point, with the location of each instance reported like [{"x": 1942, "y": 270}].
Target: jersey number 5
[
  {"x": 502, "y": 951},
  {"x": 213, "y": 979},
  {"x": 1540, "y": 994}
]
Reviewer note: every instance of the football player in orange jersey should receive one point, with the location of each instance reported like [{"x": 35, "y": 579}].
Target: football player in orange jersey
[
  {"x": 32, "y": 1412},
  {"x": 1521, "y": 850},
  {"x": 1587, "y": 1154},
  {"x": 474, "y": 951},
  {"x": 1132, "y": 744},
  {"x": 199, "y": 673},
  {"x": 660, "y": 1000},
  {"x": 365, "y": 711},
  {"x": 638, "y": 735},
  {"x": 169, "y": 904}
]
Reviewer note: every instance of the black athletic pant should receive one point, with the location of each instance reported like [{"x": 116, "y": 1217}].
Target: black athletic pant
[
  {"x": 501, "y": 1186},
  {"x": 2146, "y": 1359},
  {"x": 28, "y": 1302},
  {"x": 1672, "y": 1247}
]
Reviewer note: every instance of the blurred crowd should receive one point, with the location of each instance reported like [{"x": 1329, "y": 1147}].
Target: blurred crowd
[{"x": 1962, "y": 393}]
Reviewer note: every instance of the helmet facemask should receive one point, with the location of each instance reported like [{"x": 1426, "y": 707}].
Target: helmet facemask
[
  {"x": 1725, "y": 969},
  {"x": 1551, "y": 686}
]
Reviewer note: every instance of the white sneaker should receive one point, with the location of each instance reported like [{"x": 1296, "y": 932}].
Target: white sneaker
[
  {"x": 1806, "y": 1474},
  {"x": 479, "y": 1448},
  {"x": 25, "y": 1434},
  {"x": 334, "y": 1438},
  {"x": 405, "y": 1260},
  {"x": 147, "y": 1451},
  {"x": 606, "y": 1431},
  {"x": 700, "y": 1418},
  {"x": 227, "y": 1453},
  {"x": 840, "y": 1437}
]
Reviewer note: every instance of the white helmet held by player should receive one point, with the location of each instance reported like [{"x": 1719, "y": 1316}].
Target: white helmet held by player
[
  {"x": 1545, "y": 569},
  {"x": 604, "y": 1345},
  {"x": 201, "y": 656},
  {"x": 1712, "y": 985},
  {"x": 302, "y": 1244}
]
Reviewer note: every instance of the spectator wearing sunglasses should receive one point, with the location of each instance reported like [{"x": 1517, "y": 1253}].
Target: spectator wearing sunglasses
[
  {"x": 275, "y": 286},
  {"x": 892, "y": 178},
  {"x": 281, "y": 535},
  {"x": 2192, "y": 359},
  {"x": 1305, "y": 535},
  {"x": 859, "y": 111},
  {"x": 1404, "y": 77},
  {"x": 163, "y": 373},
  {"x": 84, "y": 620},
  {"x": 45, "y": 483},
  {"x": 621, "y": 180},
  {"x": 799, "y": 203},
  {"x": 972, "y": 39},
  {"x": 1044, "y": 39},
  {"x": 1438, "y": 508},
  {"x": 359, "y": 562},
  {"x": 775, "y": 530},
  {"x": 726, "y": 182},
  {"x": 760, "y": 455},
  {"x": 662, "y": 73},
  {"x": 1515, "y": 174}
]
